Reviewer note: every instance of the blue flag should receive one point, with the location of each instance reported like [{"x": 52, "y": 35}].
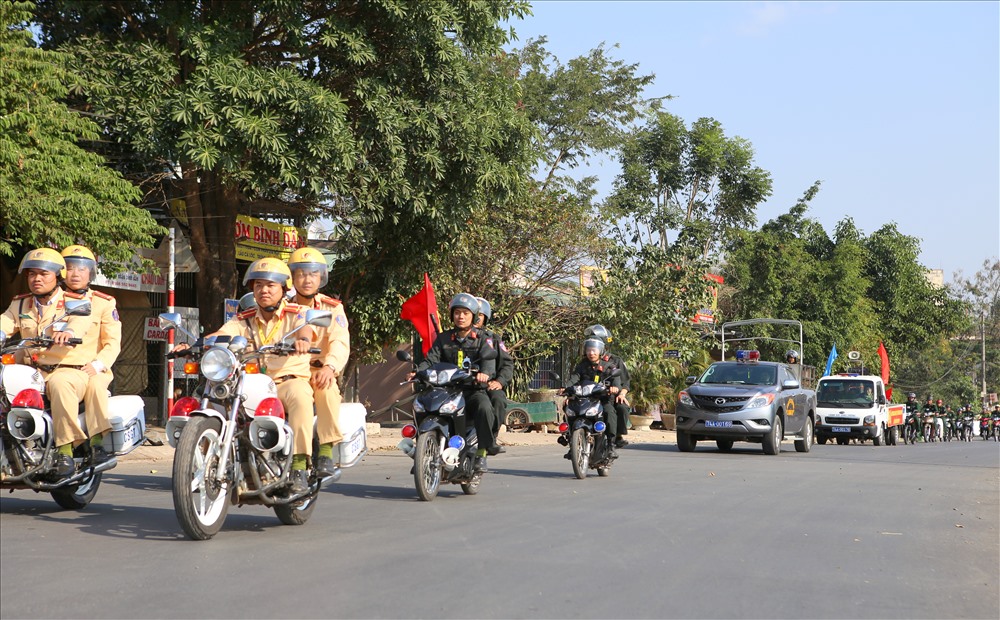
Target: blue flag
[{"x": 829, "y": 360}]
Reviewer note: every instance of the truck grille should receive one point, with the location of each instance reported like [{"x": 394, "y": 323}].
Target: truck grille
[
  {"x": 720, "y": 404},
  {"x": 832, "y": 419}
]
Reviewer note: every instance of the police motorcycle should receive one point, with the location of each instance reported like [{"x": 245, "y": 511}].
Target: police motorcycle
[
  {"x": 911, "y": 431},
  {"x": 442, "y": 441},
  {"x": 27, "y": 434},
  {"x": 584, "y": 428},
  {"x": 965, "y": 425},
  {"x": 984, "y": 427},
  {"x": 233, "y": 444}
]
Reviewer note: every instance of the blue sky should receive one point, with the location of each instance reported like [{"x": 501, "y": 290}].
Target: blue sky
[{"x": 895, "y": 106}]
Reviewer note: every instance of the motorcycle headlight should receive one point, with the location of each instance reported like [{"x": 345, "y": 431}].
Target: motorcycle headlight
[
  {"x": 452, "y": 405},
  {"x": 218, "y": 364}
]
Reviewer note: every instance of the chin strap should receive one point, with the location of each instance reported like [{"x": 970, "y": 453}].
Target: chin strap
[
  {"x": 80, "y": 291},
  {"x": 270, "y": 308},
  {"x": 38, "y": 298}
]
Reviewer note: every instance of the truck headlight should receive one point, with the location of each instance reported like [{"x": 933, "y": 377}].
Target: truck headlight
[
  {"x": 869, "y": 420},
  {"x": 760, "y": 400},
  {"x": 685, "y": 399}
]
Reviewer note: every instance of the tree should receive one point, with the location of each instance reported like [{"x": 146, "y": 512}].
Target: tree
[
  {"x": 980, "y": 293},
  {"x": 696, "y": 181},
  {"x": 53, "y": 191},
  {"x": 374, "y": 114}
]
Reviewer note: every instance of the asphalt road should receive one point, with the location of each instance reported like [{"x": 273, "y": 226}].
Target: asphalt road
[{"x": 841, "y": 532}]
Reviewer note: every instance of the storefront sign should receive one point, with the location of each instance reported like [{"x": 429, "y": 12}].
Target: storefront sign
[
  {"x": 132, "y": 281},
  {"x": 261, "y": 239}
]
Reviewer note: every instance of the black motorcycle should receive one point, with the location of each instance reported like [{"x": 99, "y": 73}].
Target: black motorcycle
[
  {"x": 442, "y": 441},
  {"x": 585, "y": 426}
]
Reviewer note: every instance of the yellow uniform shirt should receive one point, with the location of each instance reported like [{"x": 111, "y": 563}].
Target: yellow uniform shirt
[
  {"x": 102, "y": 332},
  {"x": 333, "y": 341},
  {"x": 25, "y": 318},
  {"x": 260, "y": 332}
]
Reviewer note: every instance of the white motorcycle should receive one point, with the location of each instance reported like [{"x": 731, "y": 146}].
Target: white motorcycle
[
  {"x": 233, "y": 444},
  {"x": 27, "y": 450}
]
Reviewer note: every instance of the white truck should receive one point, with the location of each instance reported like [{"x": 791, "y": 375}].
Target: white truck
[{"x": 855, "y": 406}]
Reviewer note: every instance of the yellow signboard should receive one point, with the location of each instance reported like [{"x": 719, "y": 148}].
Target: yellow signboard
[{"x": 262, "y": 239}]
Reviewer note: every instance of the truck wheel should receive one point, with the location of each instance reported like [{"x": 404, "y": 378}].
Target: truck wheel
[
  {"x": 878, "y": 440},
  {"x": 805, "y": 444},
  {"x": 685, "y": 443},
  {"x": 772, "y": 440},
  {"x": 893, "y": 435}
]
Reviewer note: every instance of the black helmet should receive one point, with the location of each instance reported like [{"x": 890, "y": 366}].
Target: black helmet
[
  {"x": 464, "y": 300},
  {"x": 598, "y": 331},
  {"x": 791, "y": 355},
  {"x": 485, "y": 310}
]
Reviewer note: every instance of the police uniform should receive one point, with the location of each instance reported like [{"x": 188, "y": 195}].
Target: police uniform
[
  {"x": 334, "y": 343},
  {"x": 621, "y": 409},
  {"x": 65, "y": 383},
  {"x": 480, "y": 349},
  {"x": 504, "y": 375},
  {"x": 599, "y": 372},
  {"x": 291, "y": 373}
]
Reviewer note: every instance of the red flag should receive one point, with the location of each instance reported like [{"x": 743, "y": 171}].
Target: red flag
[
  {"x": 884, "y": 356},
  {"x": 422, "y": 311}
]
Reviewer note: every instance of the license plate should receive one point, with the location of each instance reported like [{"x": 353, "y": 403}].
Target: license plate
[
  {"x": 356, "y": 444},
  {"x": 132, "y": 435},
  {"x": 842, "y": 429},
  {"x": 718, "y": 423}
]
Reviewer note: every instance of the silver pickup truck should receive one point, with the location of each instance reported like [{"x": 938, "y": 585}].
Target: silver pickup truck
[{"x": 747, "y": 400}]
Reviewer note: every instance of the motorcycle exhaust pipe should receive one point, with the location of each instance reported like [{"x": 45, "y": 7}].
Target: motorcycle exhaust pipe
[
  {"x": 28, "y": 424},
  {"x": 270, "y": 434}
]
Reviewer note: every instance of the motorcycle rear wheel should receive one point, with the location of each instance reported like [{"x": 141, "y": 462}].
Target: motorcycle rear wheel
[
  {"x": 427, "y": 465},
  {"x": 78, "y": 496},
  {"x": 472, "y": 487},
  {"x": 200, "y": 507},
  {"x": 297, "y": 513},
  {"x": 578, "y": 453}
]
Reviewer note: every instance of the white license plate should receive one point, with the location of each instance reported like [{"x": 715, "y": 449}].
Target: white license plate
[
  {"x": 718, "y": 423},
  {"x": 132, "y": 435},
  {"x": 357, "y": 444},
  {"x": 842, "y": 429}
]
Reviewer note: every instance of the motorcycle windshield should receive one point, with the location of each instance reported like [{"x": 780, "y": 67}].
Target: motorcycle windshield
[{"x": 586, "y": 389}]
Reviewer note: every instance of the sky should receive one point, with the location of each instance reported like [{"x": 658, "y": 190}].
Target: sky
[{"x": 894, "y": 106}]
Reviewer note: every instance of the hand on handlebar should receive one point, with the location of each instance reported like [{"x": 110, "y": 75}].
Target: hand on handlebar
[
  {"x": 62, "y": 338},
  {"x": 482, "y": 377},
  {"x": 303, "y": 345}
]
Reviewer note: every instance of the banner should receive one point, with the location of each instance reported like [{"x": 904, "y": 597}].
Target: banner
[
  {"x": 830, "y": 360},
  {"x": 262, "y": 239}
]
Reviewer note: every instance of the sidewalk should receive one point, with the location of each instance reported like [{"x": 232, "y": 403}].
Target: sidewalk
[{"x": 382, "y": 439}]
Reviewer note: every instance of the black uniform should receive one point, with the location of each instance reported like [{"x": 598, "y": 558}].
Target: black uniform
[
  {"x": 621, "y": 409},
  {"x": 504, "y": 375},
  {"x": 599, "y": 372},
  {"x": 480, "y": 350}
]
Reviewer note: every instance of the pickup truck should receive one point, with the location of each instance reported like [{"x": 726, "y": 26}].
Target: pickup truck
[
  {"x": 854, "y": 406},
  {"x": 747, "y": 400}
]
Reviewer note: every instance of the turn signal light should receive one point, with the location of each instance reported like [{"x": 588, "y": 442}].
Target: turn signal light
[
  {"x": 251, "y": 368},
  {"x": 563, "y": 427},
  {"x": 272, "y": 407},
  {"x": 409, "y": 431},
  {"x": 8, "y": 359},
  {"x": 184, "y": 406},
  {"x": 190, "y": 368},
  {"x": 30, "y": 399}
]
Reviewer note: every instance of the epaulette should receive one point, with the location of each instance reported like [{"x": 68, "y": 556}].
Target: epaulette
[
  {"x": 22, "y": 296},
  {"x": 291, "y": 309},
  {"x": 247, "y": 314},
  {"x": 103, "y": 295},
  {"x": 330, "y": 301},
  {"x": 73, "y": 295}
]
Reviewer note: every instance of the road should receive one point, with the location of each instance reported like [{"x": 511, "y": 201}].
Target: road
[{"x": 842, "y": 532}]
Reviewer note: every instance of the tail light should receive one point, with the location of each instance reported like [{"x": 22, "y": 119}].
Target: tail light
[
  {"x": 184, "y": 406},
  {"x": 8, "y": 359},
  {"x": 29, "y": 399},
  {"x": 251, "y": 368},
  {"x": 409, "y": 431},
  {"x": 563, "y": 427},
  {"x": 271, "y": 407},
  {"x": 191, "y": 368}
]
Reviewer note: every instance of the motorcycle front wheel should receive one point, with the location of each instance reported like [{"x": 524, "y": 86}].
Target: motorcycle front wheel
[
  {"x": 427, "y": 465},
  {"x": 297, "y": 513},
  {"x": 578, "y": 452},
  {"x": 200, "y": 502},
  {"x": 78, "y": 496}
]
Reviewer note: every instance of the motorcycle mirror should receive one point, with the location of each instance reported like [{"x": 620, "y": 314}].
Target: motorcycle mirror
[
  {"x": 319, "y": 318},
  {"x": 403, "y": 356},
  {"x": 3, "y": 338},
  {"x": 690, "y": 379},
  {"x": 169, "y": 320},
  {"x": 554, "y": 375},
  {"x": 77, "y": 307},
  {"x": 467, "y": 364},
  {"x": 237, "y": 344}
]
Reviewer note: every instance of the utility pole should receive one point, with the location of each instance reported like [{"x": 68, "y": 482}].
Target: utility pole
[{"x": 982, "y": 335}]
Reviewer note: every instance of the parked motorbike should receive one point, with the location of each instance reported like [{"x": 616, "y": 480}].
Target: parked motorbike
[
  {"x": 233, "y": 444},
  {"x": 584, "y": 428},
  {"x": 27, "y": 435},
  {"x": 442, "y": 441}
]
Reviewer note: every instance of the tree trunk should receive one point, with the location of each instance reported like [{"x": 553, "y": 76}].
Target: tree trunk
[{"x": 212, "y": 206}]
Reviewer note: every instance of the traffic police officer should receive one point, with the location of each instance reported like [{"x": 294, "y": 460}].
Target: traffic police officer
[
  {"x": 30, "y": 315},
  {"x": 309, "y": 275}
]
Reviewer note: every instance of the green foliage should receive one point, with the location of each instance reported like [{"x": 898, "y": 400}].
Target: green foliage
[{"x": 53, "y": 191}]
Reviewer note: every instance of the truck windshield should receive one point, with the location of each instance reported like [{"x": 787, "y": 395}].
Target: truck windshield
[
  {"x": 740, "y": 374},
  {"x": 847, "y": 393}
]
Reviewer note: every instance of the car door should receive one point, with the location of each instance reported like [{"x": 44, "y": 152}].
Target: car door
[{"x": 793, "y": 402}]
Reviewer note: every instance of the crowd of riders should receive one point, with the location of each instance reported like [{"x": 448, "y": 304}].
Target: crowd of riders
[{"x": 934, "y": 421}]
